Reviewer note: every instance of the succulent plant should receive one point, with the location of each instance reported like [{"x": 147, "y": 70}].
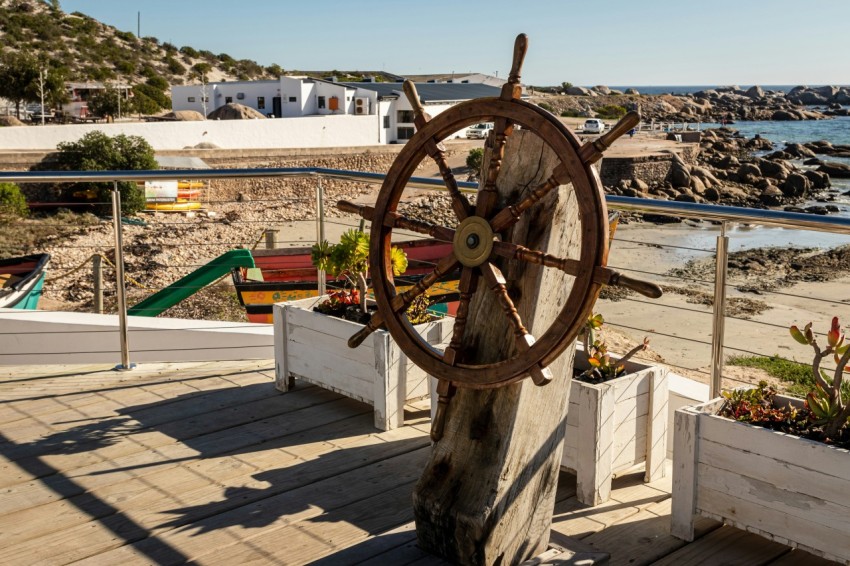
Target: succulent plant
[
  {"x": 602, "y": 365},
  {"x": 826, "y": 403}
]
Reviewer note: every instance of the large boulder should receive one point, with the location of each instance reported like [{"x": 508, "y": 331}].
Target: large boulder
[
  {"x": 755, "y": 92},
  {"x": 771, "y": 196},
  {"x": 795, "y": 185},
  {"x": 633, "y": 91},
  {"x": 835, "y": 169},
  {"x": 185, "y": 116},
  {"x": 10, "y": 121},
  {"x": 798, "y": 150},
  {"x": 786, "y": 115},
  {"x": 234, "y": 111},
  {"x": 818, "y": 179},
  {"x": 602, "y": 89},
  {"x": 580, "y": 91},
  {"x": 773, "y": 169}
]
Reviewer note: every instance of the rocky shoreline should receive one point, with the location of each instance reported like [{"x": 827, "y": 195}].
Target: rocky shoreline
[
  {"x": 719, "y": 105},
  {"x": 734, "y": 170}
]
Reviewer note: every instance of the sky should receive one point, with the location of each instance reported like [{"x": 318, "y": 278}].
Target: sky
[{"x": 587, "y": 42}]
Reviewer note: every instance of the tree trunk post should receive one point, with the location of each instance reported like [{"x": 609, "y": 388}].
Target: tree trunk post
[{"x": 488, "y": 491}]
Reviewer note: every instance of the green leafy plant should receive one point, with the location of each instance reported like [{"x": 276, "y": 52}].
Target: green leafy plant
[
  {"x": 12, "y": 203},
  {"x": 611, "y": 111},
  {"x": 602, "y": 365},
  {"x": 825, "y": 413},
  {"x": 97, "y": 151},
  {"x": 349, "y": 260},
  {"x": 474, "y": 159}
]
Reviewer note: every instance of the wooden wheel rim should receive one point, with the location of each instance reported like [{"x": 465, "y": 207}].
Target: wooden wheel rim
[{"x": 593, "y": 249}]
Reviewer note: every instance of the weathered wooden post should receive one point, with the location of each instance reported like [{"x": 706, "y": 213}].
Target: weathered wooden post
[{"x": 488, "y": 491}]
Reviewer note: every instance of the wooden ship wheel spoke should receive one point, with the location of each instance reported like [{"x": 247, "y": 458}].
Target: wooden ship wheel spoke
[{"x": 482, "y": 240}]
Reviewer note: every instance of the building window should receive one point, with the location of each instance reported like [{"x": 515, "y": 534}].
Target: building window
[
  {"x": 240, "y": 96},
  {"x": 293, "y": 99},
  {"x": 228, "y": 99},
  {"x": 191, "y": 99},
  {"x": 261, "y": 103},
  {"x": 386, "y": 121},
  {"x": 405, "y": 133},
  {"x": 321, "y": 102},
  {"x": 405, "y": 116}
]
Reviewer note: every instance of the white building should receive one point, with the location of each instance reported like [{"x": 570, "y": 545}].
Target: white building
[{"x": 383, "y": 106}]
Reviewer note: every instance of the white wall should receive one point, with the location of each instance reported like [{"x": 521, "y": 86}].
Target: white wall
[
  {"x": 42, "y": 337},
  {"x": 218, "y": 93},
  {"x": 303, "y": 132}
]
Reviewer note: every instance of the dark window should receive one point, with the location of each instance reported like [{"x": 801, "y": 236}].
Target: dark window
[
  {"x": 191, "y": 99},
  {"x": 293, "y": 99},
  {"x": 405, "y": 116},
  {"x": 228, "y": 99},
  {"x": 261, "y": 102},
  {"x": 240, "y": 96},
  {"x": 405, "y": 133},
  {"x": 386, "y": 121},
  {"x": 321, "y": 102}
]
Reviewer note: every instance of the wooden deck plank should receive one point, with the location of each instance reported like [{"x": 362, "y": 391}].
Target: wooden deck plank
[
  {"x": 147, "y": 409},
  {"x": 728, "y": 546},
  {"x": 172, "y": 452},
  {"x": 274, "y": 511},
  {"x": 324, "y": 535},
  {"x": 213, "y": 466},
  {"x": 798, "y": 557}
]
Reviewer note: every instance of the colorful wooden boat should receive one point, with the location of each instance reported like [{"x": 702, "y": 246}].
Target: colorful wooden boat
[
  {"x": 288, "y": 274},
  {"x": 21, "y": 281}
]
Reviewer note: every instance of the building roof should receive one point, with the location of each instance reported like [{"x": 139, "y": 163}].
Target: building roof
[{"x": 433, "y": 92}]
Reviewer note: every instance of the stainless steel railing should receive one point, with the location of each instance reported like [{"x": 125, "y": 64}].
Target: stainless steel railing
[{"x": 725, "y": 215}]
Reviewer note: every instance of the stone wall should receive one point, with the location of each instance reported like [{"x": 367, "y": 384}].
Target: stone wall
[{"x": 647, "y": 168}]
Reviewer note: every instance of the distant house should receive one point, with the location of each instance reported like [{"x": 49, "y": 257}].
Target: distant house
[
  {"x": 80, "y": 93},
  {"x": 382, "y": 105}
]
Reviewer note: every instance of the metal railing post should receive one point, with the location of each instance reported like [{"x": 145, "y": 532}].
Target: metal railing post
[
  {"x": 97, "y": 275},
  {"x": 119, "y": 280},
  {"x": 320, "y": 228},
  {"x": 719, "y": 311}
]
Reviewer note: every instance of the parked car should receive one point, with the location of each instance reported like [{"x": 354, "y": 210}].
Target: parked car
[
  {"x": 594, "y": 126},
  {"x": 478, "y": 131}
]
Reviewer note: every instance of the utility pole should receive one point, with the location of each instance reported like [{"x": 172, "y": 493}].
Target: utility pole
[
  {"x": 41, "y": 91},
  {"x": 139, "y": 25}
]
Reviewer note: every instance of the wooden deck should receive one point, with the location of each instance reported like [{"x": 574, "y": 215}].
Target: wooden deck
[{"x": 208, "y": 463}]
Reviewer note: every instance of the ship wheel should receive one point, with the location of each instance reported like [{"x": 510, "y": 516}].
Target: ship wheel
[{"x": 476, "y": 239}]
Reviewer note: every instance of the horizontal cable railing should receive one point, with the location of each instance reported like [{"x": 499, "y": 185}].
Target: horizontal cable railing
[{"x": 693, "y": 338}]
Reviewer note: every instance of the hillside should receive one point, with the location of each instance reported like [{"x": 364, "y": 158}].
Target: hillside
[{"x": 86, "y": 49}]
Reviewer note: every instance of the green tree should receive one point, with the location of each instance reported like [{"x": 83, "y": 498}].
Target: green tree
[
  {"x": 18, "y": 77},
  {"x": 98, "y": 152},
  {"x": 274, "y": 70},
  {"x": 147, "y": 99},
  {"x": 12, "y": 203},
  {"x": 105, "y": 103},
  {"x": 200, "y": 70},
  {"x": 474, "y": 159},
  {"x": 175, "y": 67},
  {"x": 565, "y": 86}
]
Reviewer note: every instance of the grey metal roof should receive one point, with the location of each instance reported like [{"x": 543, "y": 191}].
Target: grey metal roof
[
  {"x": 178, "y": 162},
  {"x": 433, "y": 92}
]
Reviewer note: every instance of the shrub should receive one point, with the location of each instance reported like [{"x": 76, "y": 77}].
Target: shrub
[
  {"x": 175, "y": 67},
  {"x": 571, "y": 114},
  {"x": 611, "y": 112},
  {"x": 12, "y": 202},
  {"x": 189, "y": 52},
  {"x": 474, "y": 159},
  {"x": 98, "y": 152},
  {"x": 546, "y": 106}
]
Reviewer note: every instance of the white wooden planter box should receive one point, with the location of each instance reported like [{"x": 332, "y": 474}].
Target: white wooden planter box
[
  {"x": 614, "y": 426},
  {"x": 313, "y": 347},
  {"x": 789, "y": 489}
]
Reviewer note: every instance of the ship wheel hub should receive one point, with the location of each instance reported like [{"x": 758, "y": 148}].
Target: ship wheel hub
[{"x": 473, "y": 241}]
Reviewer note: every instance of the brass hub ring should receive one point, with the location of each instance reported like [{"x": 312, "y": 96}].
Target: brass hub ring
[{"x": 473, "y": 241}]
